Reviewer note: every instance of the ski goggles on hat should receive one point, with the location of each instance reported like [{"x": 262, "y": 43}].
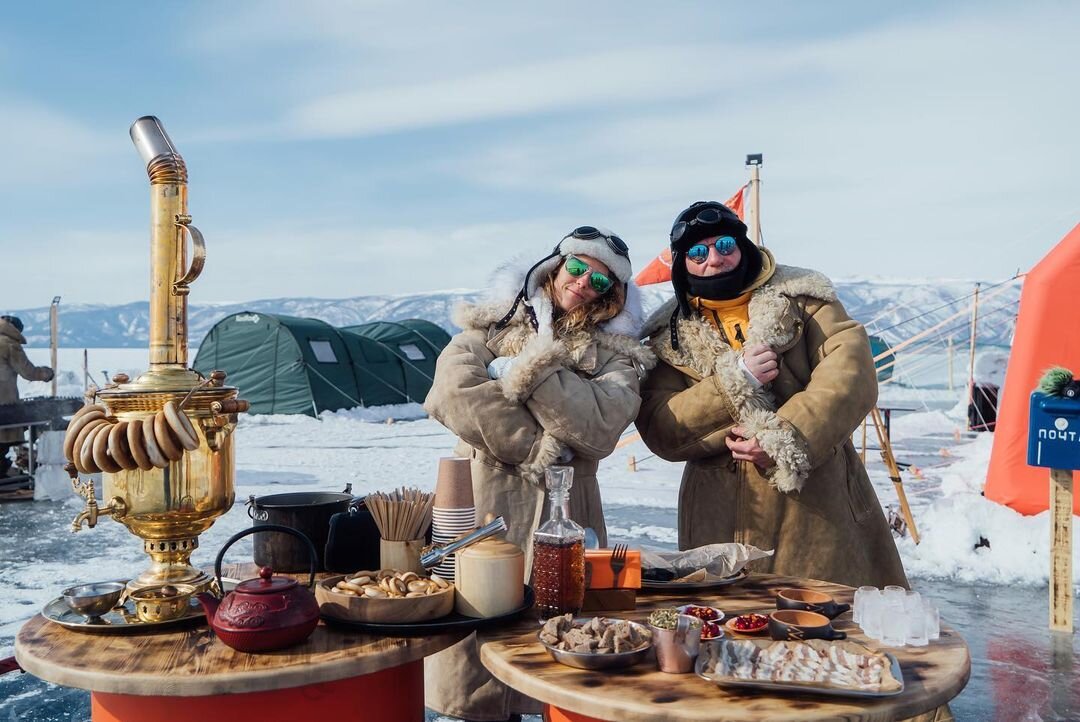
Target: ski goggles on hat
[
  {"x": 699, "y": 252},
  {"x": 705, "y": 217},
  {"x": 587, "y": 233},
  {"x": 601, "y": 283}
]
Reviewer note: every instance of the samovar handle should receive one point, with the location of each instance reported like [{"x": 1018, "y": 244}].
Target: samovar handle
[{"x": 198, "y": 256}]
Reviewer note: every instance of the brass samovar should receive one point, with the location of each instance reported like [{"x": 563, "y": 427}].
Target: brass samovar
[{"x": 170, "y": 503}]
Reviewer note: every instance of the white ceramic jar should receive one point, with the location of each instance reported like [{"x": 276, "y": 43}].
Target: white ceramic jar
[{"x": 490, "y": 579}]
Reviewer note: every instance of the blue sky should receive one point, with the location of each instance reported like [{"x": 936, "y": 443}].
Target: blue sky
[{"x": 340, "y": 149}]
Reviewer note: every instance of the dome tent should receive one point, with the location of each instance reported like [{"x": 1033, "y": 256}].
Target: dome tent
[{"x": 289, "y": 365}]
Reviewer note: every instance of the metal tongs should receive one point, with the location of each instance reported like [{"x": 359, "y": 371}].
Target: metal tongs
[{"x": 434, "y": 556}]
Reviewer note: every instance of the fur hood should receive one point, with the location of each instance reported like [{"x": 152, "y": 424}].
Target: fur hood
[
  {"x": 621, "y": 334},
  {"x": 9, "y": 330}
]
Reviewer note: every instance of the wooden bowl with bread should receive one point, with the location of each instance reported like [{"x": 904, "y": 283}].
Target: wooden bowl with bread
[{"x": 385, "y": 596}]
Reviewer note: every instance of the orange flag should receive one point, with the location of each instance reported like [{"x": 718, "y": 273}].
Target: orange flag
[{"x": 659, "y": 269}]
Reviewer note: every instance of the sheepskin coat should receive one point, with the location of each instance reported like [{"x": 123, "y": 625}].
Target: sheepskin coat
[
  {"x": 575, "y": 395},
  {"x": 13, "y": 364},
  {"x": 816, "y": 506}
]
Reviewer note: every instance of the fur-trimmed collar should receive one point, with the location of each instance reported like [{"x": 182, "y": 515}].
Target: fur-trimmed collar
[
  {"x": 621, "y": 334},
  {"x": 775, "y": 322}
]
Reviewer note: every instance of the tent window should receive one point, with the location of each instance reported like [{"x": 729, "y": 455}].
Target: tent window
[
  {"x": 324, "y": 352},
  {"x": 412, "y": 352}
]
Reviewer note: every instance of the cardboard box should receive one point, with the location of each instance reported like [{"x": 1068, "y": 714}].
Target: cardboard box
[
  {"x": 599, "y": 574},
  {"x": 610, "y": 600}
]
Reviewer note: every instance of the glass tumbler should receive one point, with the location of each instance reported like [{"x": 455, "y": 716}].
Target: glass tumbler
[{"x": 860, "y": 600}]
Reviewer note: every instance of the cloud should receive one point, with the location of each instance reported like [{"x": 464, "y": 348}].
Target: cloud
[{"x": 39, "y": 144}]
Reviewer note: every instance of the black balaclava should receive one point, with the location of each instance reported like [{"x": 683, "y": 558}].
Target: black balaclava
[{"x": 724, "y": 286}]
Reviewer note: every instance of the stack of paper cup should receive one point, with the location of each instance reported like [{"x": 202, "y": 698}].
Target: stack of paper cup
[{"x": 454, "y": 513}]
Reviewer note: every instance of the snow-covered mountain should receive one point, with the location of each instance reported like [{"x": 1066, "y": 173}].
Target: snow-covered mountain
[{"x": 893, "y": 309}]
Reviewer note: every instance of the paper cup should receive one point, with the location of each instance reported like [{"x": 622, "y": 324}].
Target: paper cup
[{"x": 453, "y": 485}]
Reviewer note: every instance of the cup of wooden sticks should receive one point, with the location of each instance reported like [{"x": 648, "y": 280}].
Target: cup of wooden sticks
[{"x": 403, "y": 517}]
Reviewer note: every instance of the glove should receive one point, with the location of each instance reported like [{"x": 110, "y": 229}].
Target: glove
[
  {"x": 46, "y": 373},
  {"x": 500, "y": 366}
]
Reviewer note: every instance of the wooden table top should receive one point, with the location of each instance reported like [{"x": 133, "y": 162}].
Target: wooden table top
[
  {"x": 932, "y": 675},
  {"x": 188, "y": 661}
]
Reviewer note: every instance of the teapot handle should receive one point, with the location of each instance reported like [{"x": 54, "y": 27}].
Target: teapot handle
[{"x": 312, "y": 554}]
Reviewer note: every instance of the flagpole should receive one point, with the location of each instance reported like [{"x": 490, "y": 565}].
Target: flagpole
[{"x": 753, "y": 162}]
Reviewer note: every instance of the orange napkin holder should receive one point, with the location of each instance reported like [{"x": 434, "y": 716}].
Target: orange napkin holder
[{"x": 598, "y": 572}]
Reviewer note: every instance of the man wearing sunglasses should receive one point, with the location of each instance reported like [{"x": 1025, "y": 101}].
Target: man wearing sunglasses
[
  {"x": 763, "y": 378},
  {"x": 546, "y": 371}
]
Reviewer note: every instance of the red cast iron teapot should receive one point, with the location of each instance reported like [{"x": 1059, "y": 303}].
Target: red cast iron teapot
[{"x": 264, "y": 613}]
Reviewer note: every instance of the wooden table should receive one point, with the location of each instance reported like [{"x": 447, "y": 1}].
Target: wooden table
[
  {"x": 185, "y": 673},
  {"x": 932, "y": 675}
]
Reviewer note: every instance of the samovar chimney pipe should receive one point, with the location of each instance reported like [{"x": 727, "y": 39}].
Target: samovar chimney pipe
[{"x": 169, "y": 273}]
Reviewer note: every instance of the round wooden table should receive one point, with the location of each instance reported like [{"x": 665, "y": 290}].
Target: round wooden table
[
  {"x": 933, "y": 675},
  {"x": 186, "y": 673}
]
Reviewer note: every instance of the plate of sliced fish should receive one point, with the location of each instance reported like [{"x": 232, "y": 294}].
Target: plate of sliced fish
[{"x": 816, "y": 666}]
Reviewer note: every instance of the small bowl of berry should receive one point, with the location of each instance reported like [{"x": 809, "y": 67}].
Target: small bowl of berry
[
  {"x": 710, "y": 619},
  {"x": 747, "y": 624}
]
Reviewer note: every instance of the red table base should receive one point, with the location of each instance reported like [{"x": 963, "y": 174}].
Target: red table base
[
  {"x": 392, "y": 695},
  {"x": 554, "y": 714}
]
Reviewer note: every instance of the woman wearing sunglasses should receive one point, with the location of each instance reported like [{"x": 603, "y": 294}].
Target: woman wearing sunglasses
[
  {"x": 547, "y": 371},
  {"x": 763, "y": 378}
]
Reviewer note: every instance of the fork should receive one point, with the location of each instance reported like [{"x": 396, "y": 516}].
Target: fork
[{"x": 618, "y": 561}]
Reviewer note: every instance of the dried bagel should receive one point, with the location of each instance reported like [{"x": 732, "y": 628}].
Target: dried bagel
[
  {"x": 85, "y": 415},
  {"x": 150, "y": 443},
  {"x": 137, "y": 446},
  {"x": 181, "y": 426},
  {"x": 168, "y": 444}
]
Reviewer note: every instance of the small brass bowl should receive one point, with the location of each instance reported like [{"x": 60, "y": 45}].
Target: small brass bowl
[
  {"x": 93, "y": 600},
  {"x": 162, "y": 603}
]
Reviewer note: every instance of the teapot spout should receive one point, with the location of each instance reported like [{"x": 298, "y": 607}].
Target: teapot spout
[{"x": 209, "y": 604}]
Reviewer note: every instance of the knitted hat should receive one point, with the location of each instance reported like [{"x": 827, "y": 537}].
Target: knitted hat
[{"x": 591, "y": 241}]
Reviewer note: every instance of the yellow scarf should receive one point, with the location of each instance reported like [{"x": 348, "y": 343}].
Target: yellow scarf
[{"x": 731, "y": 318}]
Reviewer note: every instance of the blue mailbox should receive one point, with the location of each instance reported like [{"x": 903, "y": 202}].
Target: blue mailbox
[{"x": 1054, "y": 432}]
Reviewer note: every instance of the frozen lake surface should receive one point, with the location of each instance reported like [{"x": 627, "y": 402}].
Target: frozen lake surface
[{"x": 996, "y": 597}]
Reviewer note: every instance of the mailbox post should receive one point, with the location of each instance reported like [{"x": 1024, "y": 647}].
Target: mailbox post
[{"x": 1054, "y": 442}]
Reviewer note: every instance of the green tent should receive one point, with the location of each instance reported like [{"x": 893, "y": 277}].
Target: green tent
[
  {"x": 887, "y": 364},
  {"x": 288, "y": 365}
]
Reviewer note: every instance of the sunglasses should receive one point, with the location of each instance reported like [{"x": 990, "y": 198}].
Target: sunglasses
[
  {"x": 615, "y": 243},
  {"x": 705, "y": 217},
  {"x": 577, "y": 268},
  {"x": 699, "y": 252}
]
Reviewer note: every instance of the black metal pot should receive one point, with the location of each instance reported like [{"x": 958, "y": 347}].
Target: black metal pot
[{"x": 309, "y": 513}]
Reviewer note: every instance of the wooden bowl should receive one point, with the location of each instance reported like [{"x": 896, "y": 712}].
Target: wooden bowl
[{"x": 381, "y": 610}]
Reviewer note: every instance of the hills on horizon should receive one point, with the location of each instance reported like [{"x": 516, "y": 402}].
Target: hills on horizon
[{"x": 895, "y": 310}]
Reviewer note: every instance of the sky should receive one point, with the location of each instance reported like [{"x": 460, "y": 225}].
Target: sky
[{"x": 342, "y": 149}]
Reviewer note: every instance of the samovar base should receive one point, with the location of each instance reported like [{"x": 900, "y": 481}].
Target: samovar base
[{"x": 172, "y": 564}]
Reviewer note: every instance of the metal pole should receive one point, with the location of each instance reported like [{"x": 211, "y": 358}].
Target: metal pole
[
  {"x": 54, "y": 326},
  {"x": 753, "y": 161},
  {"x": 85, "y": 372},
  {"x": 971, "y": 364},
  {"x": 950, "y": 350}
]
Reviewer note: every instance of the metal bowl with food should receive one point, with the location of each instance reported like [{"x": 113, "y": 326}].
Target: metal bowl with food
[
  {"x": 164, "y": 602},
  {"x": 385, "y": 596},
  {"x": 590, "y": 642}
]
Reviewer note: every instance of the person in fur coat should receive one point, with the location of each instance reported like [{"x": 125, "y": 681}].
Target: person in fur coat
[
  {"x": 13, "y": 364},
  {"x": 545, "y": 372},
  {"x": 762, "y": 379}
]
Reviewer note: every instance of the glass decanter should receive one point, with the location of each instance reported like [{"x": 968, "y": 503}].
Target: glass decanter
[{"x": 558, "y": 573}]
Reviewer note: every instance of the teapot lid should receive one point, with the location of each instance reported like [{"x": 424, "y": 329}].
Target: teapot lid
[
  {"x": 266, "y": 583},
  {"x": 492, "y": 548}
]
